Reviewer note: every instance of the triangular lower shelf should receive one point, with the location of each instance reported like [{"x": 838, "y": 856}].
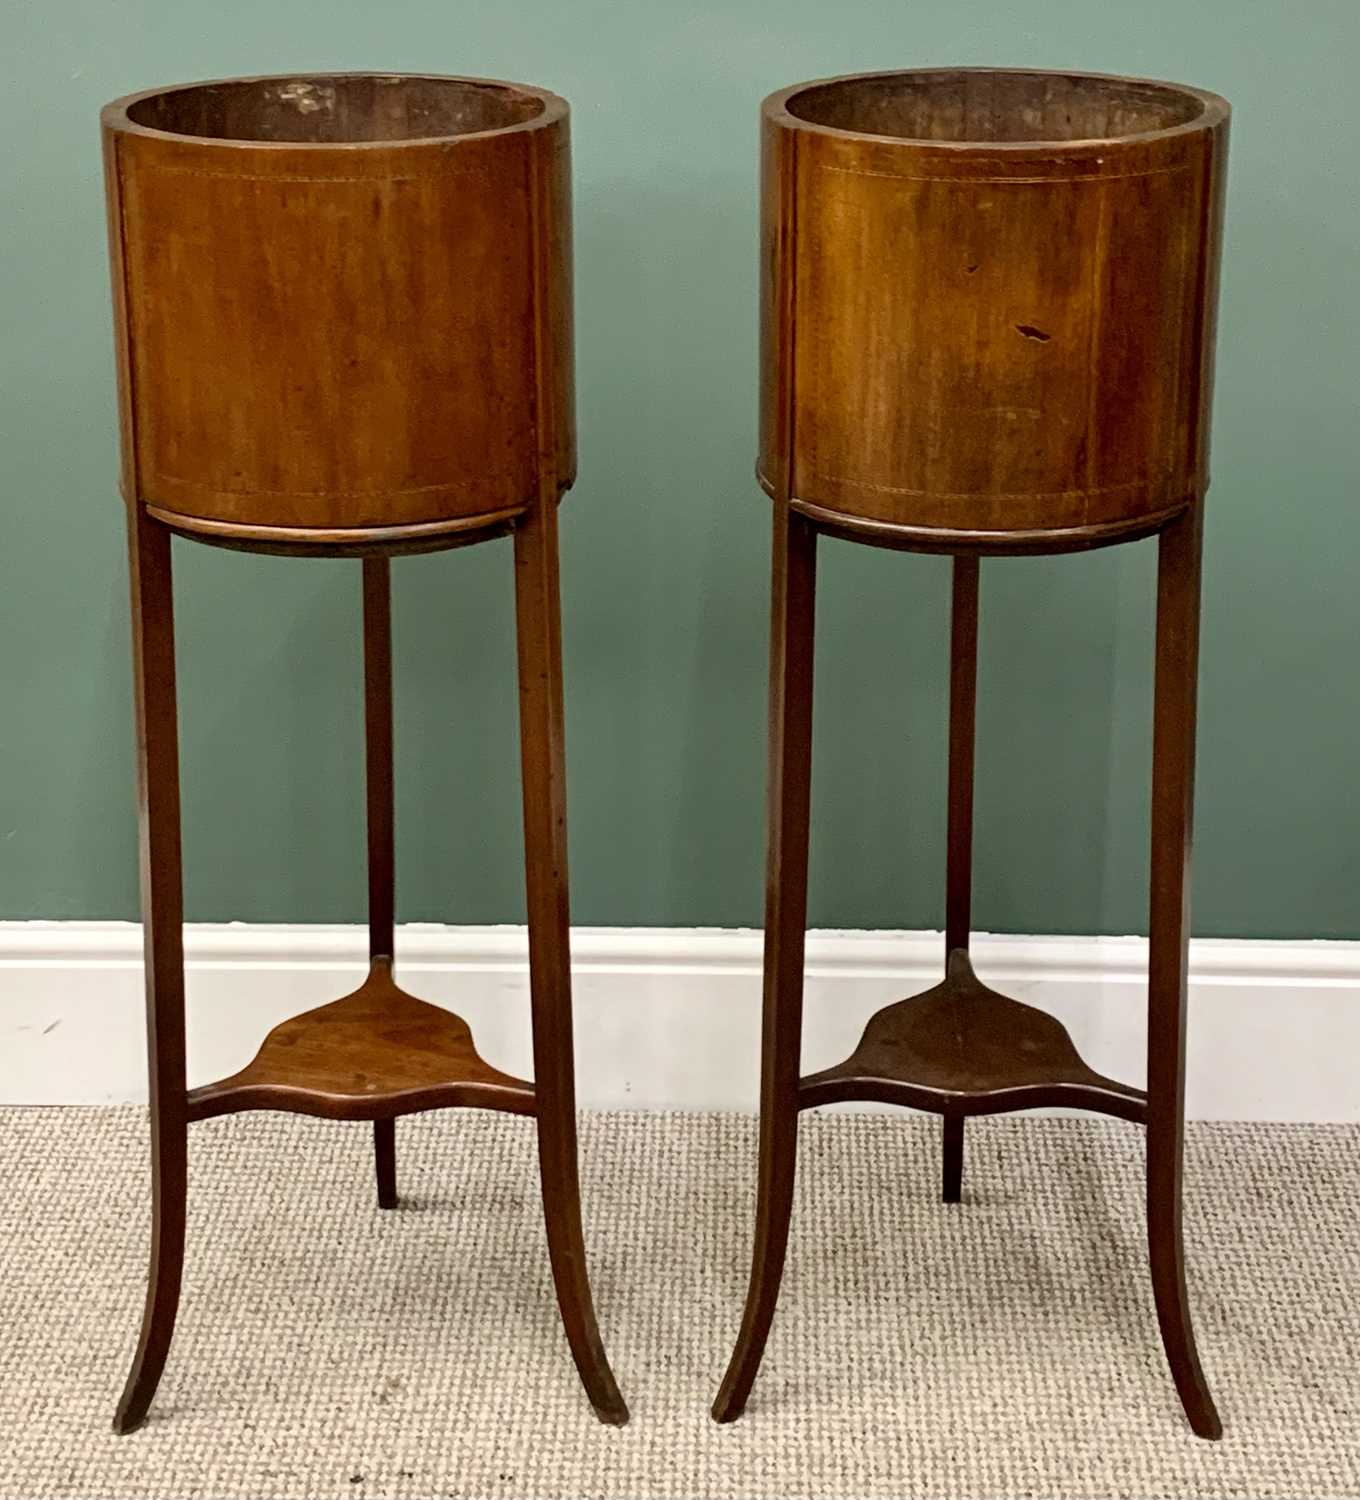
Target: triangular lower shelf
[
  {"x": 963, "y": 1049},
  {"x": 374, "y": 1054}
]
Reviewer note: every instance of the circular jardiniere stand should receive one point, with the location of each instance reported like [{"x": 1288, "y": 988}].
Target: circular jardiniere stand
[
  {"x": 987, "y": 329},
  {"x": 343, "y": 308}
]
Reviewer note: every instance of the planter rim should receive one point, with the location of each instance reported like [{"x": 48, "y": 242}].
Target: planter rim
[
  {"x": 1214, "y": 109},
  {"x": 114, "y": 115}
]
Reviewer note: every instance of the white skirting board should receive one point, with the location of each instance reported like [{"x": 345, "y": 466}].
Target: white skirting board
[{"x": 669, "y": 1018}]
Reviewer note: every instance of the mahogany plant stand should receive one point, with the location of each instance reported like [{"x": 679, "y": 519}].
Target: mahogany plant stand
[
  {"x": 324, "y": 349},
  {"x": 963, "y": 364}
]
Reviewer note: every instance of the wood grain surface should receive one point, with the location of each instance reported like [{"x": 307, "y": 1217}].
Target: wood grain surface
[
  {"x": 998, "y": 294},
  {"x": 327, "y": 295}
]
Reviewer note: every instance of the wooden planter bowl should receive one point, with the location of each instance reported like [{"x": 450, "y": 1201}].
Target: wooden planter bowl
[
  {"x": 343, "y": 304},
  {"x": 988, "y": 304}
]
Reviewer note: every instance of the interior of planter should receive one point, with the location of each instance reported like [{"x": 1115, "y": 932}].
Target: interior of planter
[
  {"x": 983, "y": 105},
  {"x": 322, "y": 109}
]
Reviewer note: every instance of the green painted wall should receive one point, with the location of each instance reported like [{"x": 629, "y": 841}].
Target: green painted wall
[{"x": 665, "y": 536}]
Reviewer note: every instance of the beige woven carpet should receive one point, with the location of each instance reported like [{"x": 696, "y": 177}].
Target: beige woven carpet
[{"x": 1006, "y": 1347}]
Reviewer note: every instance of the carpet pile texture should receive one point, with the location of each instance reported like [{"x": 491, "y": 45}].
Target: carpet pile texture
[{"x": 1003, "y": 1347}]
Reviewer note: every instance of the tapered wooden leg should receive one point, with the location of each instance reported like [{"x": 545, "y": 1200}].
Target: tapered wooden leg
[
  {"x": 963, "y": 645},
  {"x": 951, "y": 1175},
  {"x": 381, "y": 834},
  {"x": 538, "y": 613},
  {"x": 1173, "y": 771},
  {"x": 153, "y": 631},
  {"x": 789, "y": 794},
  {"x": 385, "y": 1161}
]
